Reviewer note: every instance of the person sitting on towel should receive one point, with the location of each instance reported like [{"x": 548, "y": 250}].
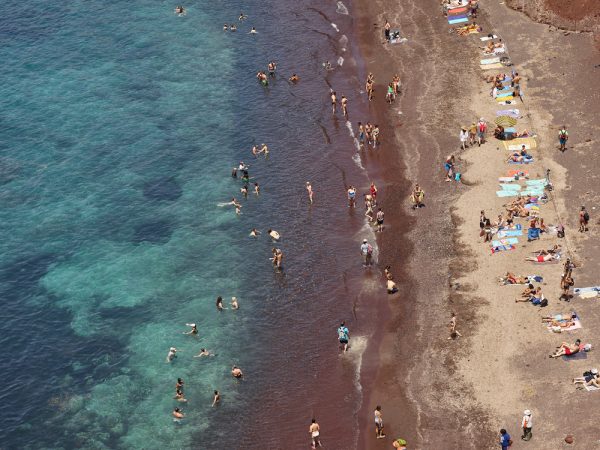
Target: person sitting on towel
[
  {"x": 534, "y": 297},
  {"x": 555, "y": 249},
  {"x": 567, "y": 349},
  {"x": 589, "y": 378},
  {"x": 528, "y": 292},
  {"x": 520, "y": 156}
]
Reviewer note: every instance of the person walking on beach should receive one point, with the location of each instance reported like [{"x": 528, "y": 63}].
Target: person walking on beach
[
  {"x": 309, "y": 189},
  {"x": 563, "y": 137},
  {"x": 481, "y": 129},
  {"x": 378, "y": 423},
  {"x": 343, "y": 336},
  {"x": 584, "y": 218},
  {"x": 452, "y": 325},
  {"x": 386, "y": 31},
  {"x": 369, "y": 86},
  {"x": 379, "y": 219},
  {"x": 464, "y": 137},
  {"x": 333, "y": 102},
  {"x": 344, "y": 103},
  {"x": 505, "y": 440},
  {"x": 315, "y": 432},
  {"x": 375, "y": 134},
  {"x": 366, "y": 250},
  {"x": 527, "y": 425},
  {"x": 472, "y": 133}
]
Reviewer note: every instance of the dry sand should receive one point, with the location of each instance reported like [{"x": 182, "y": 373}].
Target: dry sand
[{"x": 457, "y": 394}]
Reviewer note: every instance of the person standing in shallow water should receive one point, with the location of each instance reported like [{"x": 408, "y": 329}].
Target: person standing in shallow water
[
  {"x": 344, "y": 103},
  {"x": 366, "y": 250},
  {"x": 315, "y": 432},
  {"x": 343, "y": 336},
  {"x": 378, "y": 423},
  {"x": 309, "y": 189},
  {"x": 333, "y": 102}
]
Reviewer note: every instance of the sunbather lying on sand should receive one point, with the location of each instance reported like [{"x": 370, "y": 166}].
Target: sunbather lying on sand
[
  {"x": 467, "y": 29},
  {"x": 560, "y": 321},
  {"x": 567, "y": 349},
  {"x": 534, "y": 296},
  {"x": 519, "y": 157},
  {"x": 511, "y": 278},
  {"x": 543, "y": 258}
]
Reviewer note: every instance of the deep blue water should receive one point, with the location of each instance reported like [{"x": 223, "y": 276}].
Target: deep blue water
[{"x": 120, "y": 123}]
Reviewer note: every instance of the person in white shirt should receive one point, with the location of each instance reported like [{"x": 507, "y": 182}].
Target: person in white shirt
[
  {"x": 464, "y": 137},
  {"x": 526, "y": 424}
]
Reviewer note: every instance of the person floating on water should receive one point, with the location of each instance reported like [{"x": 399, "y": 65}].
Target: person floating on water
[
  {"x": 236, "y": 372},
  {"x": 225, "y": 27},
  {"x": 180, "y": 11},
  {"x": 254, "y": 233},
  {"x": 294, "y": 78},
  {"x": 204, "y": 352}
]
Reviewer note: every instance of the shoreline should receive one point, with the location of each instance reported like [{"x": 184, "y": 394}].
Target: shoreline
[{"x": 427, "y": 416}]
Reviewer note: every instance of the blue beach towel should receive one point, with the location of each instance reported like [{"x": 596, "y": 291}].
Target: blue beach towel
[
  {"x": 527, "y": 161},
  {"x": 507, "y": 241},
  {"x": 502, "y": 248},
  {"x": 504, "y": 94},
  {"x": 455, "y": 21},
  {"x": 509, "y": 233}
]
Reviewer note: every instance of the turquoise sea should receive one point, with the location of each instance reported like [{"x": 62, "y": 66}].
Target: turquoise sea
[{"x": 120, "y": 124}]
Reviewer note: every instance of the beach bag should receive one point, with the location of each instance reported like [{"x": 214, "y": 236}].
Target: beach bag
[
  {"x": 586, "y": 216},
  {"x": 543, "y": 303},
  {"x": 370, "y": 250}
]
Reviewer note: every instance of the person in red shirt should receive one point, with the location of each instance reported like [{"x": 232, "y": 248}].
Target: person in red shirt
[{"x": 481, "y": 129}]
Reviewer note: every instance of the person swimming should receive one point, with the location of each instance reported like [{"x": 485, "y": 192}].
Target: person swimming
[
  {"x": 203, "y": 352},
  {"x": 294, "y": 78},
  {"x": 234, "y": 303},
  {"x": 253, "y": 31},
  {"x": 179, "y": 10},
  {"x": 232, "y": 27},
  {"x": 193, "y": 331},
  {"x": 273, "y": 234},
  {"x": 242, "y": 17},
  {"x": 225, "y": 27},
  {"x": 178, "y": 414},
  {"x": 236, "y": 372},
  {"x": 254, "y": 233}
]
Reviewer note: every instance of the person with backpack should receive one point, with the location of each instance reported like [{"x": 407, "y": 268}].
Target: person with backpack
[
  {"x": 366, "y": 250},
  {"x": 505, "y": 440},
  {"x": 343, "y": 336},
  {"x": 584, "y": 218},
  {"x": 563, "y": 137},
  {"x": 481, "y": 129}
]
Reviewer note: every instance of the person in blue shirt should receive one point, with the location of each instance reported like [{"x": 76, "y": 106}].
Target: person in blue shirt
[
  {"x": 343, "y": 336},
  {"x": 505, "y": 441}
]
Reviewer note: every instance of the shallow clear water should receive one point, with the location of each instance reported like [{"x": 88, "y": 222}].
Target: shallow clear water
[{"x": 120, "y": 125}]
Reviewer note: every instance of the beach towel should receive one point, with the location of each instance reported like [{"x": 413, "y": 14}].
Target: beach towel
[
  {"x": 505, "y": 242},
  {"x": 592, "y": 388},
  {"x": 488, "y": 38},
  {"x": 509, "y": 112},
  {"x": 506, "y": 179},
  {"x": 510, "y": 187},
  {"x": 503, "y": 194},
  {"x": 457, "y": 16},
  {"x": 579, "y": 355},
  {"x": 502, "y": 248},
  {"x": 592, "y": 289},
  {"x": 457, "y": 10},
  {"x": 509, "y": 233},
  {"x": 506, "y": 98},
  {"x": 510, "y": 130},
  {"x": 489, "y": 61},
  {"x": 515, "y": 144},
  {"x": 503, "y": 95},
  {"x": 491, "y": 66},
  {"x": 455, "y": 21},
  {"x": 540, "y": 181},
  {"x": 552, "y": 261},
  {"x": 517, "y": 172}
]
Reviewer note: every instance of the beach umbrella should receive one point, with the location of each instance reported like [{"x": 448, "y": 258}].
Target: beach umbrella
[{"x": 506, "y": 121}]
